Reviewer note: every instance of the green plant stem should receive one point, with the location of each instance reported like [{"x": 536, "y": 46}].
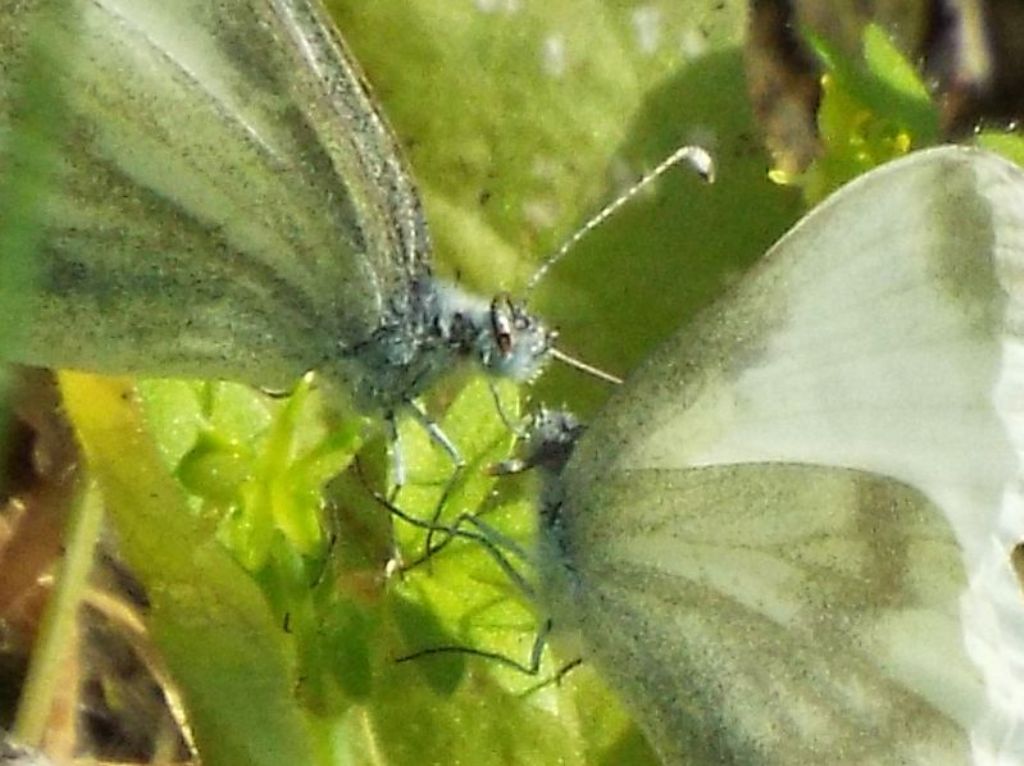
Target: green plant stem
[{"x": 56, "y": 634}]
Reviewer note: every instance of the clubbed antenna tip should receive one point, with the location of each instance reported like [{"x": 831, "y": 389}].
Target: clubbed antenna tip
[
  {"x": 699, "y": 160},
  {"x": 696, "y": 157}
]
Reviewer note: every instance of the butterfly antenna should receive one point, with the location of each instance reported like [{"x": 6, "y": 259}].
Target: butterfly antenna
[
  {"x": 697, "y": 157},
  {"x": 579, "y": 364}
]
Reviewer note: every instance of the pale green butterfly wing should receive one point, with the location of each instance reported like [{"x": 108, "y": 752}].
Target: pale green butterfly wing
[
  {"x": 779, "y": 614},
  {"x": 232, "y": 204},
  {"x": 754, "y": 597}
]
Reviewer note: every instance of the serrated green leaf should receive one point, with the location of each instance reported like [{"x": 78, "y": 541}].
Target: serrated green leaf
[
  {"x": 223, "y": 646},
  {"x": 873, "y": 109}
]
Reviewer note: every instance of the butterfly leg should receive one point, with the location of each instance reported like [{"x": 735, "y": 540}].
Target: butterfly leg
[
  {"x": 436, "y": 433},
  {"x": 441, "y": 439},
  {"x": 530, "y": 668},
  {"x": 501, "y": 548},
  {"x": 396, "y": 455},
  {"x": 397, "y": 458}
]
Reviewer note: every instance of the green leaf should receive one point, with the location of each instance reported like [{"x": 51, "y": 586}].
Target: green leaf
[
  {"x": 224, "y": 647},
  {"x": 885, "y": 61},
  {"x": 872, "y": 110},
  {"x": 1010, "y": 145}
]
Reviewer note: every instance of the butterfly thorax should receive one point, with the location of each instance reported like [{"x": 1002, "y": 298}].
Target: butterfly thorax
[{"x": 433, "y": 326}]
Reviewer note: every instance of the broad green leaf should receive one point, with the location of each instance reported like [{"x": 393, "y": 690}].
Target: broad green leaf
[
  {"x": 223, "y": 645},
  {"x": 874, "y": 108}
]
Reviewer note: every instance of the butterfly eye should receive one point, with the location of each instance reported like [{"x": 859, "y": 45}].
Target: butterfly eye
[{"x": 502, "y": 319}]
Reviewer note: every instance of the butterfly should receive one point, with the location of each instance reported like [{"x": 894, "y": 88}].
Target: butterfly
[
  {"x": 787, "y": 538},
  {"x": 232, "y": 204}
]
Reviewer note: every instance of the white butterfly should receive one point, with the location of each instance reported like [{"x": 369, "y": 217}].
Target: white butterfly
[
  {"x": 232, "y": 204},
  {"x": 787, "y": 539}
]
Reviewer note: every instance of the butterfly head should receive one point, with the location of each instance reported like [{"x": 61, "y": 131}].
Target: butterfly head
[
  {"x": 517, "y": 344},
  {"x": 547, "y": 444}
]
